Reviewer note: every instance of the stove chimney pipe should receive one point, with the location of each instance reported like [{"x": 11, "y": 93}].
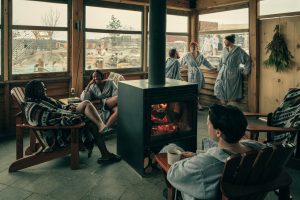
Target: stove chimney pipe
[{"x": 157, "y": 42}]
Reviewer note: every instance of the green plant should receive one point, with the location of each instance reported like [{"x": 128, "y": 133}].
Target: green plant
[{"x": 280, "y": 56}]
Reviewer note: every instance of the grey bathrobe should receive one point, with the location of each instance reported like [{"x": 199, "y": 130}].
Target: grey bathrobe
[
  {"x": 198, "y": 177},
  {"x": 173, "y": 69},
  {"x": 229, "y": 83},
  {"x": 194, "y": 73}
]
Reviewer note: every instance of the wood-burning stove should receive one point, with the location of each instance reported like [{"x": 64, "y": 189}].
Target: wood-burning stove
[{"x": 151, "y": 116}]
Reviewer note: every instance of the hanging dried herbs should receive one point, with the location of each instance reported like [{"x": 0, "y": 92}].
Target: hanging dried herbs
[{"x": 280, "y": 56}]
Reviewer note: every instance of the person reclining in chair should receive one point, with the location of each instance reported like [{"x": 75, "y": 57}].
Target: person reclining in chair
[
  {"x": 41, "y": 110},
  {"x": 198, "y": 175},
  {"x": 106, "y": 91}
]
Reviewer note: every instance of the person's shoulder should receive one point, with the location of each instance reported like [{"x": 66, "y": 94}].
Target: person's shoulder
[
  {"x": 213, "y": 154},
  {"x": 253, "y": 144}
]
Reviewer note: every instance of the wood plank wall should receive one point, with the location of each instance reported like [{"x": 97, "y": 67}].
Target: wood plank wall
[
  {"x": 274, "y": 85},
  {"x": 2, "y": 116}
]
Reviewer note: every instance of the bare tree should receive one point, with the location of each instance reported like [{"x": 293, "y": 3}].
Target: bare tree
[{"x": 51, "y": 19}]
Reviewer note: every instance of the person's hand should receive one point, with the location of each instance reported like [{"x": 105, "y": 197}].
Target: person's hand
[
  {"x": 187, "y": 154},
  {"x": 89, "y": 85},
  {"x": 72, "y": 107},
  {"x": 215, "y": 69}
]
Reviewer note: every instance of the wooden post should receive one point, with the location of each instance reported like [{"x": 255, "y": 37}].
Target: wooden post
[
  {"x": 193, "y": 25},
  {"x": 145, "y": 39},
  {"x": 253, "y": 79},
  {"x": 76, "y": 28}
]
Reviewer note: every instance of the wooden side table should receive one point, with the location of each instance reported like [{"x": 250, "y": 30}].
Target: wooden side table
[{"x": 162, "y": 161}]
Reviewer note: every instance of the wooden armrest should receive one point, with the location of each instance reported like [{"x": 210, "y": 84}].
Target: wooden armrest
[
  {"x": 264, "y": 128},
  {"x": 250, "y": 114},
  {"x": 162, "y": 161},
  {"x": 76, "y": 126},
  {"x": 239, "y": 191},
  {"x": 18, "y": 114}
]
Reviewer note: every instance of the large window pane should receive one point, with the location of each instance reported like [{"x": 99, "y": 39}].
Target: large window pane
[
  {"x": 227, "y": 20},
  {"x": 113, "y": 19},
  {"x": 176, "y": 23},
  {"x": 36, "y": 51},
  {"x": 178, "y": 42},
  {"x": 211, "y": 45},
  {"x": 269, "y": 7},
  {"x": 37, "y": 13},
  {"x": 112, "y": 51}
]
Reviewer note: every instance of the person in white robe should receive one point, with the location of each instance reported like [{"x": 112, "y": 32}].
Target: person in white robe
[
  {"x": 194, "y": 59},
  {"x": 106, "y": 91},
  {"x": 229, "y": 83}
]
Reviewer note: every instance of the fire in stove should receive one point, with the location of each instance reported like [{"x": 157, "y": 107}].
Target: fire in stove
[{"x": 168, "y": 118}]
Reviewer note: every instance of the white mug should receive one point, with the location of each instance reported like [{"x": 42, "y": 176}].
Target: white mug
[{"x": 173, "y": 155}]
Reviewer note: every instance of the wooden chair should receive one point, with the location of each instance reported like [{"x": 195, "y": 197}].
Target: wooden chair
[
  {"x": 116, "y": 77},
  {"x": 253, "y": 174},
  {"x": 289, "y": 112},
  {"x": 35, "y": 156},
  {"x": 248, "y": 176}
]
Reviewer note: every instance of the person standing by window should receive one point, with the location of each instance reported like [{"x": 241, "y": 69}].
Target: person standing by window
[
  {"x": 194, "y": 59},
  {"x": 229, "y": 83},
  {"x": 173, "y": 65}
]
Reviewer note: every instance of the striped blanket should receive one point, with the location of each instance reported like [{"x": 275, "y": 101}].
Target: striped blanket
[
  {"x": 287, "y": 114},
  {"x": 49, "y": 112}
]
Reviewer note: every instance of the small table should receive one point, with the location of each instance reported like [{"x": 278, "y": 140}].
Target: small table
[{"x": 162, "y": 161}]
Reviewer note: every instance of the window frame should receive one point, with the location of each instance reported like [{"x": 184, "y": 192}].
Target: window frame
[
  {"x": 225, "y": 31},
  {"x": 41, "y": 28},
  {"x": 276, "y": 15},
  {"x": 111, "y": 5}
]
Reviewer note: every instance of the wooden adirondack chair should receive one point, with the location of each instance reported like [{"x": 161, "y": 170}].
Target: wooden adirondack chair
[
  {"x": 284, "y": 123},
  {"x": 253, "y": 174},
  {"x": 248, "y": 176},
  {"x": 35, "y": 156}
]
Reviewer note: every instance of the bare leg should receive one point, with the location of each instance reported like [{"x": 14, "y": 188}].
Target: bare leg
[
  {"x": 199, "y": 105},
  {"x": 223, "y": 102},
  {"x": 112, "y": 103},
  {"x": 99, "y": 141},
  {"x": 89, "y": 110},
  {"x": 113, "y": 117}
]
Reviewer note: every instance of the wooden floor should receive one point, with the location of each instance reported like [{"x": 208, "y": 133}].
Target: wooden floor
[{"x": 55, "y": 180}]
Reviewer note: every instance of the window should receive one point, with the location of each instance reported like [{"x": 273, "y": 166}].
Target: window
[
  {"x": 115, "y": 41},
  {"x": 177, "y": 34},
  {"x": 215, "y": 26},
  {"x": 39, "y": 37},
  {"x": 269, "y": 7}
]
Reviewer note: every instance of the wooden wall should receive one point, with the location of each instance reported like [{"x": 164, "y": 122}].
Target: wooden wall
[
  {"x": 2, "y": 116},
  {"x": 274, "y": 85}
]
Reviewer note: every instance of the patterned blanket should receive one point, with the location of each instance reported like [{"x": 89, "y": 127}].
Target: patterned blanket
[{"x": 287, "y": 114}]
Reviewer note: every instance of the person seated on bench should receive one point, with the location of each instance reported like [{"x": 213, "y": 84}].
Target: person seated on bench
[
  {"x": 106, "y": 91},
  {"x": 41, "y": 110},
  {"x": 198, "y": 175}
]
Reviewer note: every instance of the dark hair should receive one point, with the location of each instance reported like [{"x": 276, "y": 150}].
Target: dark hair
[
  {"x": 97, "y": 72},
  {"x": 193, "y": 43},
  {"x": 172, "y": 52},
  {"x": 230, "y": 38},
  {"x": 32, "y": 91},
  {"x": 229, "y": 120}
]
